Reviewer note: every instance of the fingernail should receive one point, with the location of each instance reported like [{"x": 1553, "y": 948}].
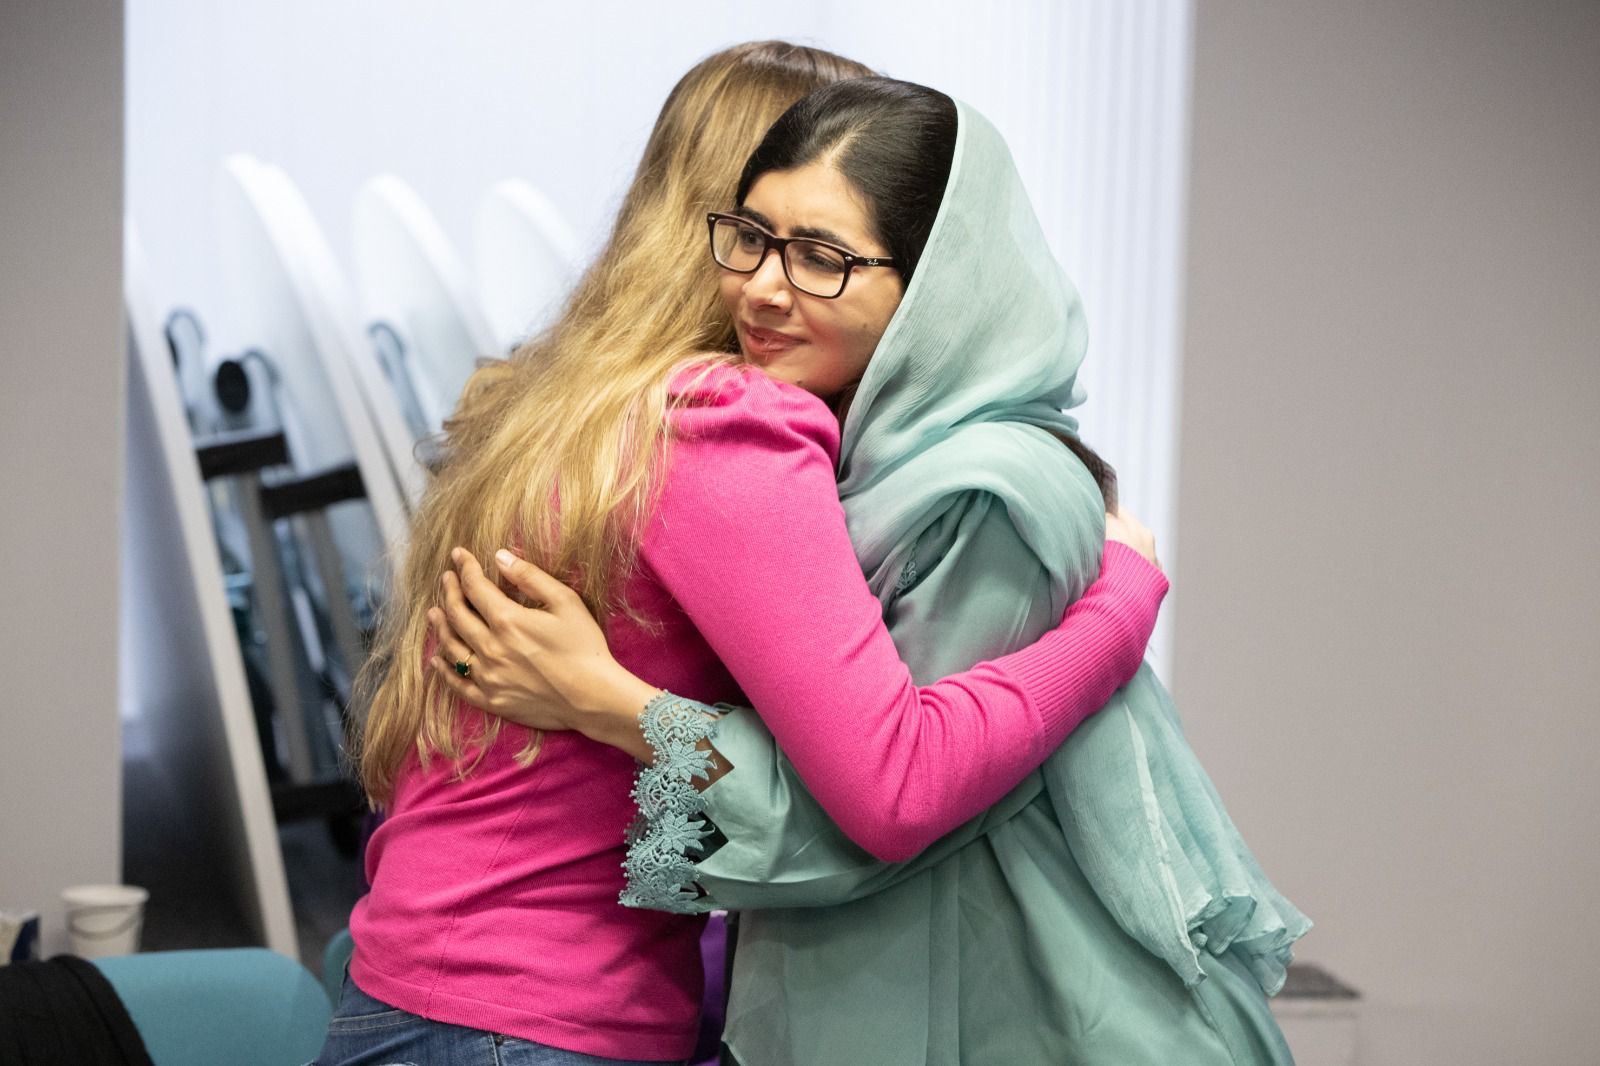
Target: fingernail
[
  {"x": 455, "y": 555},
  {"x": 505, "y": 558}
]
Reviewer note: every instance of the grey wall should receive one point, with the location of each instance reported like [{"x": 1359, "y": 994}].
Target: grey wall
[
  {"x": 1388, "y": 626},
  {"x": 61, "y": 411}
]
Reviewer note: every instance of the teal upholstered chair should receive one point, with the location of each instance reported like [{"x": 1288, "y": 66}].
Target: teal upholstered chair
[
  {"x": 335, "y": 957},
  {"x": 241, "y": 1006}
]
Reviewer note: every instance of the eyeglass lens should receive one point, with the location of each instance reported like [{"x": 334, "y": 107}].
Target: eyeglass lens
[{"x": 813, "y": 268}]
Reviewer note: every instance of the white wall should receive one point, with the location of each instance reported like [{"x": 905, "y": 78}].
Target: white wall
[
  {"x": 61, "y": 412},
  {"x": 1389, "y": 632}
]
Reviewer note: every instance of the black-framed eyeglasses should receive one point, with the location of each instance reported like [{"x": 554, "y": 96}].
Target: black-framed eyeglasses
[{"x": 812, "y": 266}]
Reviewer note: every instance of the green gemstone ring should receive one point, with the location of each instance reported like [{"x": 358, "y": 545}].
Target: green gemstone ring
[{"x": 464, "y": 666}]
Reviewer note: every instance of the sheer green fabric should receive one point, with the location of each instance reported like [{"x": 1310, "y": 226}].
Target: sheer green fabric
[{"x": 1106, "y": 911}]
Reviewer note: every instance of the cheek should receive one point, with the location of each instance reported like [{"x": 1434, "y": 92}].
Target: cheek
[
  {"x": 875, "y": 322},
  {"x": 865, "y": 333},
  {"x": 731, "y": 288},
  {"x": 841, "y": 347},
  {"x": 857, "y": 347}
]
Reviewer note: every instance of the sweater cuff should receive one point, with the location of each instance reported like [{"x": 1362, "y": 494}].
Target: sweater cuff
[
  {"x": 1071, "y": 672},
  {"x": 1135, "y": 578}
]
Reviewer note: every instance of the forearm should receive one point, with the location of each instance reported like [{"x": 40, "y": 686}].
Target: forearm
[
  {"x": 777, "y": 847},
  {"x": 781, "y": 603},
  {"x": 1072, "y": 671},
  {"x": 895, "y": 764},
  {"x": 782, "y": 850},
  {"x": 957, "y": 757}
]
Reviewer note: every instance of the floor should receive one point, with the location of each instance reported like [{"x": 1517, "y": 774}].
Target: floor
[{"x": 164, "y": 852}]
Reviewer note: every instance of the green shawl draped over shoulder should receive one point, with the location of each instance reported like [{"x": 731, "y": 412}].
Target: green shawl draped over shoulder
[{"x": 1106, "y": 910}]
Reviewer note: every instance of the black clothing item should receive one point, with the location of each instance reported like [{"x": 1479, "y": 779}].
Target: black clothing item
[{"x": 65, "y": 1013}]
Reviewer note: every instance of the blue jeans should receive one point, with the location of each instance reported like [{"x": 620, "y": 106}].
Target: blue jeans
[{"x": 368, "y": 1032}]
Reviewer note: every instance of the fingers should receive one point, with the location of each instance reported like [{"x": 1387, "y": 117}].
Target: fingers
[
  {"x": 484, "y": 595},
  {"x": 532, "y": 581},
  {"x": 464, "y": 687},
  {"x": 467, "y": 624},
  {"x": 1122, "y": 526},
  {"x": 450, "y": 647},
  {"x": 449, "y": 652}
]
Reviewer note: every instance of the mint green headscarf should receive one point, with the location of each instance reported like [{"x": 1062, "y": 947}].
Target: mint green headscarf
[
  {"x": 1108, "y": 899},
  {"x": 991, "y": 334}
]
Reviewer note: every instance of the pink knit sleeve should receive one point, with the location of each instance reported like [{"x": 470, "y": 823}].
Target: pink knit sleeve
[{"x": 750, "y": 538}]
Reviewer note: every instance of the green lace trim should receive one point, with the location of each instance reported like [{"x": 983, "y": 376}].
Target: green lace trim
[{"x": 670, "y": 829}]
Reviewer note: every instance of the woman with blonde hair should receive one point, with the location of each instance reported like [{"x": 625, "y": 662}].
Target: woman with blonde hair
[{"x": 492, "y": 932}]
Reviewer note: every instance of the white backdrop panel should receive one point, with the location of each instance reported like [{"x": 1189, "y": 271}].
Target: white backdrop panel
[{"x": 1091, "y": 94}]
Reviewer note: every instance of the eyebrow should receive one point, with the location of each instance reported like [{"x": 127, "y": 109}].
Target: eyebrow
[{"x": 814, "y": 233}]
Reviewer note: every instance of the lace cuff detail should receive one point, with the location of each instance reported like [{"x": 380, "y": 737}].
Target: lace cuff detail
[{"x": 670, "y": 827}]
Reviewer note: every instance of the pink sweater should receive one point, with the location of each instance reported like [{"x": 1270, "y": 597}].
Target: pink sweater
[{"x": 494, "y": 899}]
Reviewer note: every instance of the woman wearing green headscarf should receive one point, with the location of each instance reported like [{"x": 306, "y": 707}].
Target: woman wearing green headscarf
[{"x": 1106, "y": 911}]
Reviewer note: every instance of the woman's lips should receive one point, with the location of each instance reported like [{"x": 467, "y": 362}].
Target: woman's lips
[{"x": 766, "y": 343}]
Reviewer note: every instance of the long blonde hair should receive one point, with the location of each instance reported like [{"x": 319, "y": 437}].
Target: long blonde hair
[{"x": 580, "y": 412}]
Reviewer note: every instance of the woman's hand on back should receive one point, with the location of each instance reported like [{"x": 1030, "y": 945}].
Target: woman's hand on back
[
  {"x": 1123, "y": 527},
  {"x": 545, "y": 666}
]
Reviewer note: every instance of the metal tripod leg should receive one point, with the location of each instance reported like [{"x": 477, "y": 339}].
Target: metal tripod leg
[{"x": 274, "y": 613}]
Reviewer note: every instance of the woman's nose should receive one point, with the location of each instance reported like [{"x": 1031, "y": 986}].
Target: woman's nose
[{"x": 768, "y": 286}]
